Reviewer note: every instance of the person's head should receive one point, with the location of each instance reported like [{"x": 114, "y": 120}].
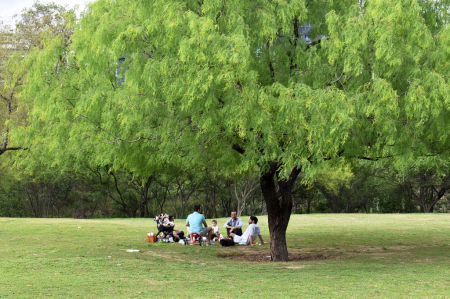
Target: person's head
[
  {"x": 233, "y": 215},
  {"x": 171, "y": 218},
  {"x": 197, "y": 208},
  {"x": 253, "y": 219},
  {"x": 214, "y": 223}
]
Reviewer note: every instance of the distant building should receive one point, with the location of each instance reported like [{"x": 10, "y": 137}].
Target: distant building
[
  {"x": 305, "y": 33},
  {"x": 120, "y": 71}
]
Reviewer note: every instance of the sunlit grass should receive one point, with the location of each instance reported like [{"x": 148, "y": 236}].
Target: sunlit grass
[{"x": 393, "y": 256}]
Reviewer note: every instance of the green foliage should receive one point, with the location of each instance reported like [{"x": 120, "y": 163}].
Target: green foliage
[
  {"x": 9, "y": 204},
  {"x": 395, "y": 202},
  {"x": 200, "y": 77},
  {"x": 32, "y": 27}
]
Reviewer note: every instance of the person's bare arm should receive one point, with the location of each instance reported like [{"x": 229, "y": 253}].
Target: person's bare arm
[
  {"x": 251, "y": 241},
  {"x": 187, "y": 223},
  {"x": 262, "y": 241},
  {"x": 229, "y": 226},
  {"x": 205, "y": 224}
]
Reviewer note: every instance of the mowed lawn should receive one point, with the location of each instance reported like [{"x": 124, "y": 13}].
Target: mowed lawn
[{"x": 364, "y": 256}]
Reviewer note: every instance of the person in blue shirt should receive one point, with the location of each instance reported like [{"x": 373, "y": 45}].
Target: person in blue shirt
[
  {"x": 195, "y": 221},
  {"x": 234, "y": 225}
]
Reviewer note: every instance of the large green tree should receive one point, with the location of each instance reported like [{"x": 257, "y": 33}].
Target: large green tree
[
  {"x": 231, "y": 85},
  {"x": 29, "y": 29}
]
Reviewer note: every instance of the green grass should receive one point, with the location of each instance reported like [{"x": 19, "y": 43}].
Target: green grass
[{"x": 373, "y": 256}]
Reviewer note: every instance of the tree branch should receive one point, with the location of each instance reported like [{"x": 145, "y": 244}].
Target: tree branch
[{"x": 238, "y": 148}]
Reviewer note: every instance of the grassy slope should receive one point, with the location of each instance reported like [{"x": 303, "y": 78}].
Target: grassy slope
[{"x": 393, "y": 256}]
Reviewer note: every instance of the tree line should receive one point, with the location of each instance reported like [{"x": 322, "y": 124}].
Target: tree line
[{"x": 101, "y": 193}]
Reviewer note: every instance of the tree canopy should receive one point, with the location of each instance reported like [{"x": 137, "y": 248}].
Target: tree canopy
[{"x": 31, "y": 27}]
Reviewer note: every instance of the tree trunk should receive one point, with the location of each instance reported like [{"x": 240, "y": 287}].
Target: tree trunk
[
  {"x": 214, "y": 203},
  {"x": 278, "y": 211},
  {"x": 308, "y": 205}
]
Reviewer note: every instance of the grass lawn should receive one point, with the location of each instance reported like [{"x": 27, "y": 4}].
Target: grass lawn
[{"x": 360, "y": 256}]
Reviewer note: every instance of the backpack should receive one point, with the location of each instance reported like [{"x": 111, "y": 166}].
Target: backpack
[{"x": 227, "y": 242}]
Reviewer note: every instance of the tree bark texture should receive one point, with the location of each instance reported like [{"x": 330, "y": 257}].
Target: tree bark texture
[{"x": 279, "y": 206}]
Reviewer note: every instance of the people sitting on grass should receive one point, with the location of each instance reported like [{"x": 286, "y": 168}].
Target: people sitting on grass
[
  {"x": 195, "y": 221},
  {"x": 250, "y": 234},
  {"x": 234, "y": 225},
  {"x": 170, "y": 224}
]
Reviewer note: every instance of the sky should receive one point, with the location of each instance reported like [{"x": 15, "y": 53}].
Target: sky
[{"x": 10, "y": 7}]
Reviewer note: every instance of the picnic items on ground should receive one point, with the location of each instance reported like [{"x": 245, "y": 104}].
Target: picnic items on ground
[
  {"x": 151, "y": 237},
  {"x": 227, "y": 242}
]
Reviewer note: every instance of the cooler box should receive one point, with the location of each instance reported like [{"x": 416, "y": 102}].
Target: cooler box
[{"x": 151, "y": 238}]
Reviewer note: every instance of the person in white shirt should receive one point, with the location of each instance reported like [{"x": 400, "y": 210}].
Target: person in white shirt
[
  {"x": 215, "y": 230},
  {"x": 250, "y": 234}
]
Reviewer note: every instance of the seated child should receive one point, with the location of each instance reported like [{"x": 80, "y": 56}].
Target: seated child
[{"x": 215, "y": 231}]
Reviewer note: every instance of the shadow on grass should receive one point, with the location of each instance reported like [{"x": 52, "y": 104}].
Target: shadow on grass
[{"x": 293, "y": 257}]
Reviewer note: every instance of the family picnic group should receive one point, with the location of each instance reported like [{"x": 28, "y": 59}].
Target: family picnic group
[{"x": 196, "y": 225}]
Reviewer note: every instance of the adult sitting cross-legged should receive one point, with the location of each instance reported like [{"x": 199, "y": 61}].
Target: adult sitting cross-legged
[
  {"x": 195, "y": 221},
  {"x": 234, "y": 225},
  {"x": 250, "y": 234}
]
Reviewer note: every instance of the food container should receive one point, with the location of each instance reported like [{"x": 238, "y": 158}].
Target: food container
[{"x": 151, "y": 237}]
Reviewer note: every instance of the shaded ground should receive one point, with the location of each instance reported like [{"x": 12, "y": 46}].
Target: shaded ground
[{"x": 293, "y": 257}]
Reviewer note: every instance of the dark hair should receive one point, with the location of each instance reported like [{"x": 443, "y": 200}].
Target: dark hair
[
  {"x": 254, "y": 219},
  {"x": 214, "y": 221},
  {"x": 197, "y": 207},
  {"x": 170, "y": 217}
]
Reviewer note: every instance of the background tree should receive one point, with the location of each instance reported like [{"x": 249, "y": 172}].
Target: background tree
[
  {"x": 30, "y": 28},
  {"x": 335, "y": 185},
  {"x": 180, "y": 187},
  {"x": 143, "y": 187},
  {"x": 244, "y": 191},
  {"x": 424, "y": 185}
]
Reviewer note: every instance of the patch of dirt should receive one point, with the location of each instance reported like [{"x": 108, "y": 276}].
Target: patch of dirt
[
  {"x": 381, "y": 249},
  {"x": 168, "y": 255},
  {"x": 293, "y": 257},
  {"x": 399, "y": 247}
]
